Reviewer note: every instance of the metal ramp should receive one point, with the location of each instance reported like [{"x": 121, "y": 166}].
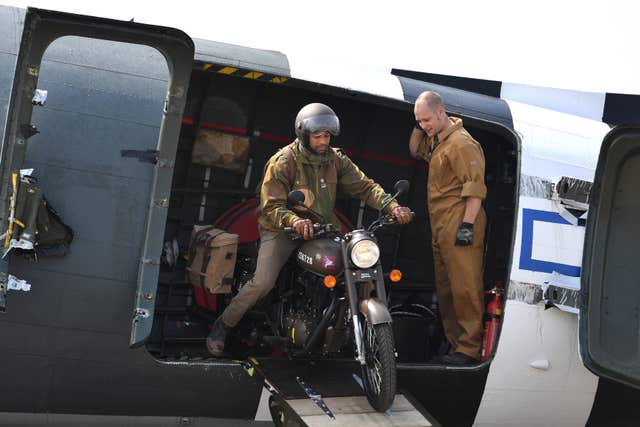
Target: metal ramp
[
  {"x": 355, "y": 411},
  {"x": 329, "y": 394}
]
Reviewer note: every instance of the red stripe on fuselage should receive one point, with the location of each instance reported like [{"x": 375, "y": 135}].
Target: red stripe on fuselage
[{"x": 284, "y": 140}]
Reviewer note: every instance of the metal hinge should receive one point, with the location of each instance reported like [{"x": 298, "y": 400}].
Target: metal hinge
[
  {"x": 140, "y": 313},
  {"x": 163, "y": 163},
  {"x": 163, "y": 203}
]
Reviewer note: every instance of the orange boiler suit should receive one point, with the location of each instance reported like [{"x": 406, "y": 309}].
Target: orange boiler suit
[{"x": 456, "y": 171}]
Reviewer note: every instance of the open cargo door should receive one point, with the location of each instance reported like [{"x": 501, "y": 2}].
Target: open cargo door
[
  {"x": 41, "y": 28},
  {"x": 610, "y": 309}
]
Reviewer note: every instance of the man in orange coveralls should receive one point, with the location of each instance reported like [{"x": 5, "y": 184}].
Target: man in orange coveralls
[{"x": 455, "y": 191}]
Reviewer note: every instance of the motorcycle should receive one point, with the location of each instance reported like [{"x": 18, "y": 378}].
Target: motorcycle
[{"x": 333, "y": 294}]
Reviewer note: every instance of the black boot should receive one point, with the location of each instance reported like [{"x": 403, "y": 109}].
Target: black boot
[{"x": 216, "y": 338}]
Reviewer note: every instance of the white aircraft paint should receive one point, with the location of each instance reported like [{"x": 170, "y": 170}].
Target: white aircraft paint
[
  {"x": 553, "y": 145},
  {"x": 376, "y": 82}
]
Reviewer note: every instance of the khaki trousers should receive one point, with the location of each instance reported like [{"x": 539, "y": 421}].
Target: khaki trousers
[
  {"x": 275, "y": 249},
  {"x": 459, "y": 286}
]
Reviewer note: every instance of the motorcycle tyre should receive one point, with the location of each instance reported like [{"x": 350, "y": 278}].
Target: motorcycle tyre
[{"x": 386, "y": 352}]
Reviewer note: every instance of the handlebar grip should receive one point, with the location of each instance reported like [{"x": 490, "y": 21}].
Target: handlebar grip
[
  {"x": 392, "y": 219},
  {"x": 317, "y": 228}
]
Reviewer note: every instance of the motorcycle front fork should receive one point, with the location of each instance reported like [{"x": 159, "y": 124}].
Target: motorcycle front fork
[
  {"x": 354, "y": 300},
  {"x": 357, "y": 334},
  {"x": 351, "y": 278}
]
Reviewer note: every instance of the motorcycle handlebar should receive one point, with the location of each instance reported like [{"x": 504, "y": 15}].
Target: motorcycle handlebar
[
  {"x": 316, "y": 228},
  {"x": 319, "y": 228},
  {"x": 392, "y": 219}
]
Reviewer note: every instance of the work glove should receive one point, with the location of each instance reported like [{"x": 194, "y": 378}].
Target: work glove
[{"x": 464, "y": 236}]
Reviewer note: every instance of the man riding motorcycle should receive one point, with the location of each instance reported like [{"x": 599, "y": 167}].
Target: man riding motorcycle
[{"x": 311, "y": 165}]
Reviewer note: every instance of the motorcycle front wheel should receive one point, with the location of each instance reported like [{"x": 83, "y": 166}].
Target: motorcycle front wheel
[{"x": 379, "y": 372}]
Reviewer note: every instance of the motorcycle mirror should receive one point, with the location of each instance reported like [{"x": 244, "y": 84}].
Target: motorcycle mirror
[
  {"x": 401, "y": 186},
  {"x": 295, "y": 198}
]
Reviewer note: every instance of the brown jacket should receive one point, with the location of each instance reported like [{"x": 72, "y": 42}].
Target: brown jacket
[
  {"x": 456, "y": 171},
  {"x": 319, "y": 178}
]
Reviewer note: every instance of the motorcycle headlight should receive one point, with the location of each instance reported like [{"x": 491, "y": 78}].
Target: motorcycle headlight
[{"x": 365, "y": 253}]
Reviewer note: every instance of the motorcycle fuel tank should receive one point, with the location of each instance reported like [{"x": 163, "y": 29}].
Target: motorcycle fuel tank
[{"x": 322, "y": 256}]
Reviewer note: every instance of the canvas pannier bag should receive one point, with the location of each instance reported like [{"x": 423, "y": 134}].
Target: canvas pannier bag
[
  {"x": 213, "y": 148},
  {"x": 212, "y": 259}
]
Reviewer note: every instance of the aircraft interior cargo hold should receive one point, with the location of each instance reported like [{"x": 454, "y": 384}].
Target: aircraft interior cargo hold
[{"x": 255, "y": 117}]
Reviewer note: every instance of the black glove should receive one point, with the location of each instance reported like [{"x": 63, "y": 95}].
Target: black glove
[{"x": 464, "y": 236}]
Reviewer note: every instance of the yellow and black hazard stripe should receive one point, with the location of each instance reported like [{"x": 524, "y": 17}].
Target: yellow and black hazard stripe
[{"x": 240, "y": 72}]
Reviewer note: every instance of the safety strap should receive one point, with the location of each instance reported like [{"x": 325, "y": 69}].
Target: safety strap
[
  {"x": 207, "y": 254},
  {"x": 336, "y": 161},
  {"x": 290, "y": 165},
  {"x": 192, "y": 244},
  {"x": 206, "y": 257}
]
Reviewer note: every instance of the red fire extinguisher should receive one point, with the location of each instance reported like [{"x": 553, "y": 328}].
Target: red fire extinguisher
[{"x": 492, "y": 320}]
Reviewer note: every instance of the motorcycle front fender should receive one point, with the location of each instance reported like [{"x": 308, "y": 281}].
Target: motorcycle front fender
[{"x": 375, "y": 311}]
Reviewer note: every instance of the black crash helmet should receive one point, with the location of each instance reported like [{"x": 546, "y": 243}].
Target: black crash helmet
[{"x": 316, "y": 117}]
